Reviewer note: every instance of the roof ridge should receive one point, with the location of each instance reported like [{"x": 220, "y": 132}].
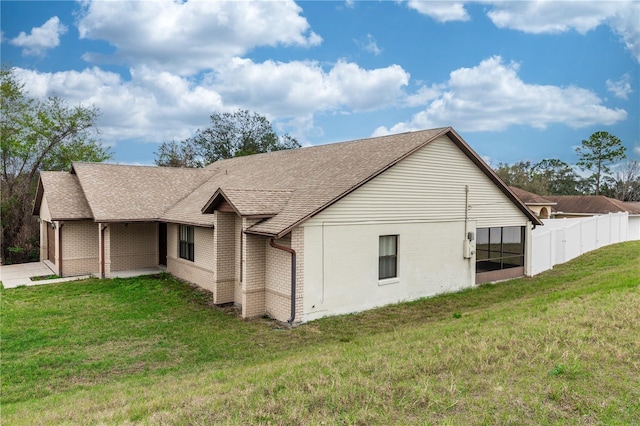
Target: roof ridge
[{"x": 325, "y": 145}]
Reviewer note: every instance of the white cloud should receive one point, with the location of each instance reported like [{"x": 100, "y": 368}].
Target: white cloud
[
  {"x": 151, "y": 107},
  {"x": 552, "y": 17},
  {"x": 370, "y": 45},
  {"x": 299, "y": 88},
  {"x": 542, "y": 16},
  {"x": 160, "y": 105},
  {"x": 621, "y": 88},
  {"x": 423, "y": 95},
  {"x": 492, "y": 97},
  {"x": 625, "y": 24},
  {"x": 441, "y": 11},
  {"x": 187, "y": 37},
  {"x": 41, "y": 38},
  {"x": 547, "y": 16}
]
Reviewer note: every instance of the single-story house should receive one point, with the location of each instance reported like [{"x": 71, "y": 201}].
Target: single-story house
[
  {"x": 541, "y": 206},
  {"x": 297, "y": 234}
]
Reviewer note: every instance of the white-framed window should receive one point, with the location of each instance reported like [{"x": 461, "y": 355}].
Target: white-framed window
[
  {"x": 388, "y": 257},
  {"x": 186, "y": 242}
]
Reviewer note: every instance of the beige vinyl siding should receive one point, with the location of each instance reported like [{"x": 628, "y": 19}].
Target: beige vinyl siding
[
  {"x": 428, "y": 185},
  {"x": 44, "y": 213},
  {"x": 45, "y": 220}
]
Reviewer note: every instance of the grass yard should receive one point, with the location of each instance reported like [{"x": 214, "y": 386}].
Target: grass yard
[{"x": 560, "y": 348}]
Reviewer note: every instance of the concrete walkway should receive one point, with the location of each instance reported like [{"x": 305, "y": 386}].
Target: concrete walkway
[{"x": 16, "y": 275}]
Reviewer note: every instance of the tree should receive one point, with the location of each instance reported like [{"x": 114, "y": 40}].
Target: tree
[
  {"x": 624, "y": 185},
  {"x": 36, "y": 135},
  {"x": 555, "y": 177},
  {"x": 174, "y": 154},
  {"x": 597, "y": 153},
  {"x": 548, "y": 177},
  {"x": 517, "y": 174},
  {"x": 229, "y": 135}
]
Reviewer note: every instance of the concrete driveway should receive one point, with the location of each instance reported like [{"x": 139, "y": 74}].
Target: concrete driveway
[{"x": 16, "y": 275}]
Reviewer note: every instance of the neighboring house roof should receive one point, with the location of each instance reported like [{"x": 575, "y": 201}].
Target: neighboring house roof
[
  {"x": 283, "y": 188},
  {"x": 531, "y": 199},
  {"x": 591, "y": 204},
  {"x": 65, "y": 197}
]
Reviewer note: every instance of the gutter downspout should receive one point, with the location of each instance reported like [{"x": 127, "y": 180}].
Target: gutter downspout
[{"x": 273, "y": 244}]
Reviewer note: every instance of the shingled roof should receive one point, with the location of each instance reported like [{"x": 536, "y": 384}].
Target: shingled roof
[
  {"x": 590, "y": 204},
  {"x": 65, "y": 197},
  {"x": 283, "y": 188},
  {"x": 530, "y": 198}
]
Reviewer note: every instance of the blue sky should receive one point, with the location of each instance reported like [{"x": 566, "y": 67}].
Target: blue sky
[{"x": 518, "y": 80}]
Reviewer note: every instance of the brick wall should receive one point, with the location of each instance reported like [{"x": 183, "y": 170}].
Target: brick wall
[
  {"x": 79, "y": 248},
  {"x": 133, "y": 246},
  {"x": 239, "y": 259},
  {"x": 278, "y": 277},
  {"x": 225, "y": 257},
  {"x": 253, "y": 284},
  {"x": 201, "y": 270}
]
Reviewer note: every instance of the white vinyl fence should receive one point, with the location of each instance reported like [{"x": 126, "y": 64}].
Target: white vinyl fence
[{"x": 561, "y": 240}]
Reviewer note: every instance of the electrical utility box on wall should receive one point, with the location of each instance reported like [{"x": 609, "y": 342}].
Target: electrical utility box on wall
[{"x": 469, "y": 246}]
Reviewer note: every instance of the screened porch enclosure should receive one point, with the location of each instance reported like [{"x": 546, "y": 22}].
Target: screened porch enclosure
[{"x": 499, "y": 253}]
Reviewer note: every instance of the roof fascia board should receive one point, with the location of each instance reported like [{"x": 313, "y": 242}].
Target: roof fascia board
[
  {"x": 35, "y": 211},
  {"x": 263, "y": 234},
  {"x": 214, "y": 201}
]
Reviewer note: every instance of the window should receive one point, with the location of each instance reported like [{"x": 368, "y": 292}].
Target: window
[
  {"x": 499, "y": 248},
  {"x": 388, "y": 257},
  {"x": 186, "y": 242}
]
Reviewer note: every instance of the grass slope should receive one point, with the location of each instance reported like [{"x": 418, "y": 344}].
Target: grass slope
[{"x": 560, "y": 348}]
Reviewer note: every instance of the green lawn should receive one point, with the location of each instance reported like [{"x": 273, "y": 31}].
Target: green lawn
[{"x": 560, "y": 348}]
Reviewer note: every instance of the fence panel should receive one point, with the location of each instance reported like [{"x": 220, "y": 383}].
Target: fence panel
[
  {"x": 542, "y": 258},
  {"x": 561, "y": 240}
]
